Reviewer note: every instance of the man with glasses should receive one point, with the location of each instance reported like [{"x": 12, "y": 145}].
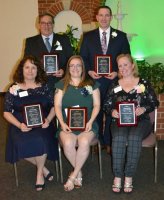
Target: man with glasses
[{"x": 48, "y": 42}]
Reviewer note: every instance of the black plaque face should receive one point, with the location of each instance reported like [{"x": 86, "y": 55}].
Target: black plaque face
[
  {"x": 77, "y": 118},
  {"x": 33, "y": 115},
  {"x": 103, "y": 64},
  {"x": 50, "y": 63},
  {"x": 127, "y": 116}
]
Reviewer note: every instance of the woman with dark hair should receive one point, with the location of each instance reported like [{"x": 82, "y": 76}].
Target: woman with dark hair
[
  {"x": 24, "y": 142},
  {"x": 76, "y": 90},
  {"x": 127, "y": 137}
]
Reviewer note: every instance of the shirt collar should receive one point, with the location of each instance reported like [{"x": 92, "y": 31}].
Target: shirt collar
[
  {"x": 107, "y": 31},
  {"x": 50, "y": 38}
]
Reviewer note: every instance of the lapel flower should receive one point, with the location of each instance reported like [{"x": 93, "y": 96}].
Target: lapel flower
[
  {"x": 58, "y": 46},
  {"x": 85, "y": 91},
  {"x": 114, "y": 34},
  {"x": 14, "y": 90},
  {"x": 140, "y": 88}
]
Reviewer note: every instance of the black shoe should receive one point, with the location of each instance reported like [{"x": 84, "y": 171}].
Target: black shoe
[
  {"x": 49, "y": 177},
  {"x": 39, "y": 187}
]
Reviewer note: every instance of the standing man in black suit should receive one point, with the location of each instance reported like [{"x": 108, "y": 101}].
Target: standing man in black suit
[
  {"x": 58, "y": 44},
  {"x": 116, "y": 42}
]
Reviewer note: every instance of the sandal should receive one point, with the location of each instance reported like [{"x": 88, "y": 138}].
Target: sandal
[
  {"x": 78, "y": 182},
  {"x": 128, "y": 187},
  {"x": 116, "y": 187},
  {"x": 49, "y": 177},
  {"x": 69, "y": 185},
  {"x": 39, "y": 187}
]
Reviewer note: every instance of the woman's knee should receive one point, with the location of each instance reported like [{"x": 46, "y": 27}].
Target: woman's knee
[{"x": 84, "y": 142}]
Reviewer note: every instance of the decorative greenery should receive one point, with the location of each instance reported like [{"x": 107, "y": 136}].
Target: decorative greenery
[
  {"x": 102, "y": 2},
  {"x": 154, "y": 73},
  {"x": 74, "y": 41}
]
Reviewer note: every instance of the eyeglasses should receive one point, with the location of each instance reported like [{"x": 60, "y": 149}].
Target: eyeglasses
[
  {"x": 44, "y": 23},
  {"x": 78, "y": 65}
]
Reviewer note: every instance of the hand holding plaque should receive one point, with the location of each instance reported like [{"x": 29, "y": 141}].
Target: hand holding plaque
[
  {"x": 77, "y": 118},
  {"x": 50, "y": 63},
  {"x": 33, "y": 115},
  {"x": 127, "y": 116},
  {"x": 103, "y": 65}
]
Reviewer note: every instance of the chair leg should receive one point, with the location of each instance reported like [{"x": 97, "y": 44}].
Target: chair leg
[
  {"x": 60, "y": 163},
  {"x": 156, "y": 160},
  {"x": 57, "y": 169},
  {"x": 100, "y": 159},
  {"x": 16, "y": 174}
]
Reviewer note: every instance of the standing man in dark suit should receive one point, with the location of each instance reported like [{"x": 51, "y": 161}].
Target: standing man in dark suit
[
  {"x": 116, "y": 42},
  {"x": 58, "y": 44}
]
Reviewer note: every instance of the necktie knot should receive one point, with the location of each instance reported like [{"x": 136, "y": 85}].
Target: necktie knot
[{"x": 104, "y": 33}]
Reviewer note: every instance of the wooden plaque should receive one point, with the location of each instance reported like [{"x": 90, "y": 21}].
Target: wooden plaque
[{"x": 77, "y": 118}]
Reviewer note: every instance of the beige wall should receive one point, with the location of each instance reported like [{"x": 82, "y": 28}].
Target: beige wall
[{"x": 17, "y": 21}]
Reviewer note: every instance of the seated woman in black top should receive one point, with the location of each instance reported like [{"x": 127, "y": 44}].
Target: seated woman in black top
[{"x": 127, "y": 141}]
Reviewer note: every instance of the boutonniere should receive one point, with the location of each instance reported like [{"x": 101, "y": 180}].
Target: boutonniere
[
  {"x": 114, "y": 34},
  {"x": 85, "y": 91},
  {"x": 140, "y": 88},
  {"x": 14, "y": 90},
  {"x": 58, "y": 46}
]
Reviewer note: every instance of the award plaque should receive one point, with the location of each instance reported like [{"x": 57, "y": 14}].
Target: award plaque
[
  {"x": 50, "y": 62},
  {"x": 127, "y": 116},
  {"x": 33, "y": 115},
  {"x": 103, "y": 65},
  {"x": 77, "y": 118}
]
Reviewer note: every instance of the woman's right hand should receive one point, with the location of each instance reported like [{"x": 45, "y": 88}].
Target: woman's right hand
[
  {"x": 65, "y": 128},
  {"x": 24, "y": 128},
  {"x": 115, "y": 113}
]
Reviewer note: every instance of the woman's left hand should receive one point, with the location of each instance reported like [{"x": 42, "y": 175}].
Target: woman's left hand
[
  {"x": 46, "y": 123},
  {"x": 88, "y": 127},
  {"x": 140, "y": 111}
]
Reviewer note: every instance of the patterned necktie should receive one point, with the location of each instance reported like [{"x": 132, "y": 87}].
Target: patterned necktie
[
  {"x": 48, "y": 45},
  {"x": 104, "y": 43}
]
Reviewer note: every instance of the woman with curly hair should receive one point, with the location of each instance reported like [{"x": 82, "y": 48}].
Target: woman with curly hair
[{"x": 34, "y": 144}]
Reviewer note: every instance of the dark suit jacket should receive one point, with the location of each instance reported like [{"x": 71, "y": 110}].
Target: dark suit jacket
[
  {"x": 35, "y": 46},
  {"x": 91, "y": 45}
]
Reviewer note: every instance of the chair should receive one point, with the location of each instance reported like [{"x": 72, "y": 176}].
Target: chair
[
  {"x": 93, "y": 144},
  {"x": 16, "y": 172},
  {"x": 151, "y": 140}
]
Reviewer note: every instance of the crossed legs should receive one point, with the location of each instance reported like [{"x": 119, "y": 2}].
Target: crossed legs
[
  {"x": 76, "y": 156},
  {"x": 42, "y": 171}
]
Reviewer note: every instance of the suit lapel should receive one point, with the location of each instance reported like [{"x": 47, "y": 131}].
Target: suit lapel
[
  {"x": 41, "y": 44},
  {"x": 110, "y": 41},
  {"x": 55, "y": 39},
  {"x": 97, "y": 41}
]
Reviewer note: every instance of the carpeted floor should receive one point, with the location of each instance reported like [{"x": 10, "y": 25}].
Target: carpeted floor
[{"x": 93, "y": 188}]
